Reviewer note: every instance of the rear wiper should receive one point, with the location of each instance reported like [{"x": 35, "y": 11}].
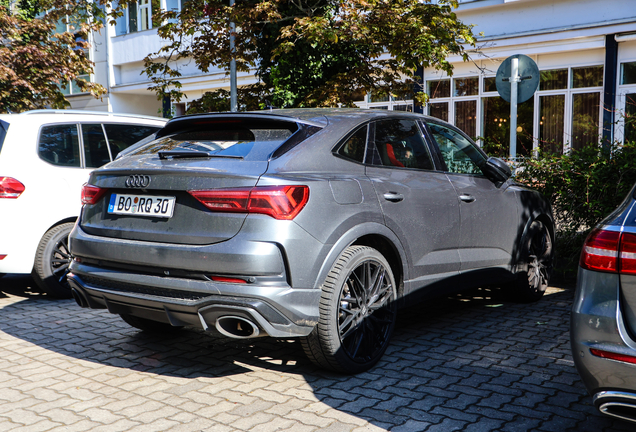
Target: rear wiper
[{"x": 193, "y": 154}]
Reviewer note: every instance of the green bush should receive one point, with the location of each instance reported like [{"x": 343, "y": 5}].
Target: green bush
[{"x": 583, "y": 186}]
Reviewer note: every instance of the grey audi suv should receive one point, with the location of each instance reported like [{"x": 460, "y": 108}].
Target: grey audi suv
[
  {"x": 603, "y": 324},
  {"x": 314, "y": 224}
]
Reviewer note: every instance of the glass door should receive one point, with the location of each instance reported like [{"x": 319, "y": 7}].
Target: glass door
[
  {"x": 626, "y": 116},
  {"x": 551, "y": 116}
]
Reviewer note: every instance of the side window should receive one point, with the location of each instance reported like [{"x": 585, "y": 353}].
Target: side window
[
  {"x": 354, "y": 147},
  {"x": 59, "y": 145},
  {"x": 96, "y": 151},
  {"x": 400, "y": 143},
  {"x": 461, "y": 156},
  {"x": 122, "y": 136}
]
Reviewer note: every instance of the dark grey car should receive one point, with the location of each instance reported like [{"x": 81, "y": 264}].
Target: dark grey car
[
  {"x": 603, "y": 325},
  {"x": 303, "y": 223}
]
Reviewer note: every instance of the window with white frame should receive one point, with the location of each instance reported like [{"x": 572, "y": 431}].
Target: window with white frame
[
  {"x": 398, "y": 101},
  {"x": 71, "y": 87},
  {"x": 627, "y": 103},
  {"x": 587, "y": 85},
  {"x": 456, "y": 101},
  {"x": 139, "y": 15},
  {"x": 563, "y": 114},
  {"x": 494, "y": 131}
]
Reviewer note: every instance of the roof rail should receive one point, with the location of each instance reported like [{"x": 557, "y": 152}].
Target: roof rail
[{"x": 75, "y": 112}]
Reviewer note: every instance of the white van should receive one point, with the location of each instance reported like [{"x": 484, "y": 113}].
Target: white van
[{"x": 45, "y": 158}]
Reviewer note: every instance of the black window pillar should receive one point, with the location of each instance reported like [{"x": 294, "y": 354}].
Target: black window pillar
[{"x": 609, "y": 90}]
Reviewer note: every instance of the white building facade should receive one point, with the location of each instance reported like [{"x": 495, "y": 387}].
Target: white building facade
[
  {"x": 119, "y": 51},
  {"x": 585, "y": 51}
]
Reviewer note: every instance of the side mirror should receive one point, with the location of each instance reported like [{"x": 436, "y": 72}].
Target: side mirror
[{"x": 497, "y": 170}]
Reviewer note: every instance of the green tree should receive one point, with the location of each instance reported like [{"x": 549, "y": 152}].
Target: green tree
[
  {"x": 310, "y": 52},
  {"x": 36, "y": 59}
]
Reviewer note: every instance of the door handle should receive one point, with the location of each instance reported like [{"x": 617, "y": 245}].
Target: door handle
[
  {"x": 467, "y": 198},
  {"x": 393, "y": 197}
]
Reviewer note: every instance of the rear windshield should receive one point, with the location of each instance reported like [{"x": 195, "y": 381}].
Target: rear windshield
[
  {"x": 4, "y": 126},
  {"x": 254, "y": 139},
  {"x": 249, "y": 141}
]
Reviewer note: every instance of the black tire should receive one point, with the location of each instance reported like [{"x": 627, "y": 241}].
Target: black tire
[
  {"x": 537, "y": 255},
  {"x": 52, "y": 260},
  {"x": 349, "y": 338},
  {"x": 149, "y": 326}
]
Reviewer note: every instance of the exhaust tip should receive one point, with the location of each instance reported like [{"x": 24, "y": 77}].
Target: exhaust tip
[
  {"x": 236, "y": 327},
  {"x": 622, "y": 410},
  {"x": 79, "y": 298}
]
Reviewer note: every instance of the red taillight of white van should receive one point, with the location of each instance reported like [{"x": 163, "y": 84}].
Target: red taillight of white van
[{"x": 10, "y": 188}]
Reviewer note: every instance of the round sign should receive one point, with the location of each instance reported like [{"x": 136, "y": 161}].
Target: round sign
[{"x": 528, "y": 74}]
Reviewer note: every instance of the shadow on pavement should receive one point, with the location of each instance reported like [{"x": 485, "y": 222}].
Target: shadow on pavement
[
  {"x": 19, "y": 285},
  {"x": 469, "y": 360}
]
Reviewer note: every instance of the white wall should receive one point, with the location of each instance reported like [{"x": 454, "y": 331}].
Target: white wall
[
  {"x": 136, "y": 104},
  {"x": 508, "y": 18},
  {"x": 88, "y": 103},
  {"x": 134, "y": 47}
]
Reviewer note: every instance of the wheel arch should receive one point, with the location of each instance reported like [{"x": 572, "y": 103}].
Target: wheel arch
[
  {"x": 548, "y": 222},
  {"x": 33, "y": 252},
  {"x": 390, "y": 252},
  {"x": 374, "y": 235},
  {"x": 544, "y": 218},
  {"x": 70, "y": 219}
]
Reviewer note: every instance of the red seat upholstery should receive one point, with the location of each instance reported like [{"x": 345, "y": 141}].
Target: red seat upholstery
[{"x": 391, "y": 154}]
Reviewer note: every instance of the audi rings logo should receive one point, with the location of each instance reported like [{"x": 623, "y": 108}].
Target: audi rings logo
[{"x": 138, "y": 181}]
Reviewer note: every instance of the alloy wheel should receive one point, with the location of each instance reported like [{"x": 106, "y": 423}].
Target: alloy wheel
[
  {"x": 60, "y": 260},
  {"x": 539, "y": 259},
  {"x": 366, "y": 313}
]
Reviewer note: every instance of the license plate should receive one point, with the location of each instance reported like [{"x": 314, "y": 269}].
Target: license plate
[{"x": 141, "y": 205}]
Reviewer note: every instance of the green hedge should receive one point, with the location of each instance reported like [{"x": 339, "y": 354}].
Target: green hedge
[{"x": 583, "y": 186}]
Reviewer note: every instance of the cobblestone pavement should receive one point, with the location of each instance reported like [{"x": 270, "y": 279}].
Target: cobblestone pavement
[{"x": 474, "y": 362}]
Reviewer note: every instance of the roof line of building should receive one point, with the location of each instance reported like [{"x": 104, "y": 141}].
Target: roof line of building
[{"x": 558, "y": 29}]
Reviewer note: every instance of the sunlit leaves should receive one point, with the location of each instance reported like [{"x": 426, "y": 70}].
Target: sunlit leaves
[
  {"x": 313, "y": 52},
  {"x": 36, "y": 58}
]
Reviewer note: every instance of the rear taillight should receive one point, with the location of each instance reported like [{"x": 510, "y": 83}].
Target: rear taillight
[
  {"x": 279, "y": 202},
  {"x": 10, "y": 187},
  {"x": 91, "y": 194},
  {"x": 229, "y": 200},
  {"x": 600, "y": 251},
  {"x": 627, "y": 255},
  {"x": 609, "y": 251}
]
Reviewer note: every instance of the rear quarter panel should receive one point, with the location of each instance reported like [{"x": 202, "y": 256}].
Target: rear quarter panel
[{"x": 342, "y": 203}]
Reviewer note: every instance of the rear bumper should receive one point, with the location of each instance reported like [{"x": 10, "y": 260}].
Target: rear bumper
[
  {"x": 597, "y": 323},
  {"x": 275, "y": 311},
  {"x": 173, "y": 282}
]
